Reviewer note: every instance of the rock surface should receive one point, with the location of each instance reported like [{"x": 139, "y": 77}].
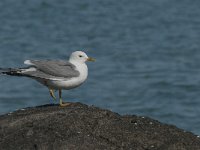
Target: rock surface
[{"x": 79, "y": 126}]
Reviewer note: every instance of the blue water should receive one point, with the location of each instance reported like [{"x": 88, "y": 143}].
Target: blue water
[{"x": 148, "y": 54}]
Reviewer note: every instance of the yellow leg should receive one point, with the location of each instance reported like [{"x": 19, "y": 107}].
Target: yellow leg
[
  {"x": 51, "y": 91},
  {"x": 61, "y": 102}
]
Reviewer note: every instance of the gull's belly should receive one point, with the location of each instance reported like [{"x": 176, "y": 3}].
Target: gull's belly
[{"x": 65, "y": 84}]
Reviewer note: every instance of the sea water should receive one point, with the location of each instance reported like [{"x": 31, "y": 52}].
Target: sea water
[{"x": 147, "y": 52}]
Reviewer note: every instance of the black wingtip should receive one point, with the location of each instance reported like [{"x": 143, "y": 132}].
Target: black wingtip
[
  {"x": 8, "y": 71},
  {"x": 3, "y": 70}
]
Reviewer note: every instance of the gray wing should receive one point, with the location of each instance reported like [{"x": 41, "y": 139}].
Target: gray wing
[{"x": 53, "y": 68}]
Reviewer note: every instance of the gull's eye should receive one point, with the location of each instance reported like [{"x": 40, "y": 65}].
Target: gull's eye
[{"x": 80, "y": 56}]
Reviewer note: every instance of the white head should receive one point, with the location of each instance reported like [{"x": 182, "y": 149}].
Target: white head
[{"x": 80, "y": 57}]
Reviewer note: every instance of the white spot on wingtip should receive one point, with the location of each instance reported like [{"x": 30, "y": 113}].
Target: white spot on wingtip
[{"x": 29, "y": 69}]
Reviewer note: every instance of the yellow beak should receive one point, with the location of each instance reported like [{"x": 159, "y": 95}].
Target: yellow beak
[{"x": 90, "y": 59}]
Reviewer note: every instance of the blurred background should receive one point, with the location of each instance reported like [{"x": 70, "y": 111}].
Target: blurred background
[{"x": 147, "y": 52}]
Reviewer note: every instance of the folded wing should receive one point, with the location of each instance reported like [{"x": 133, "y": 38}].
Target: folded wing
[{"x": 52, "y": 68}]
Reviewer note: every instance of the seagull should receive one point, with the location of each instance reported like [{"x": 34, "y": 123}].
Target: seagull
[{"x": 55, "y": 74}]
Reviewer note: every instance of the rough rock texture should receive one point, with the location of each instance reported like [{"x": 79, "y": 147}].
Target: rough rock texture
[{"x": 80, "y": 126}]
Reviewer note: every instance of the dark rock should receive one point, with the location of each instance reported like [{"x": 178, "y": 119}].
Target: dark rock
[{"x": 86, "y": 127}]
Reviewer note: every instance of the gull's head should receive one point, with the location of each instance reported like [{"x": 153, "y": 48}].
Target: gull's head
[{"x": 80, "y": 57}]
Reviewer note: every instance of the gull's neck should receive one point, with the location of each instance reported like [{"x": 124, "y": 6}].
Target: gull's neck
[{"x": 81, "y": 67}]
